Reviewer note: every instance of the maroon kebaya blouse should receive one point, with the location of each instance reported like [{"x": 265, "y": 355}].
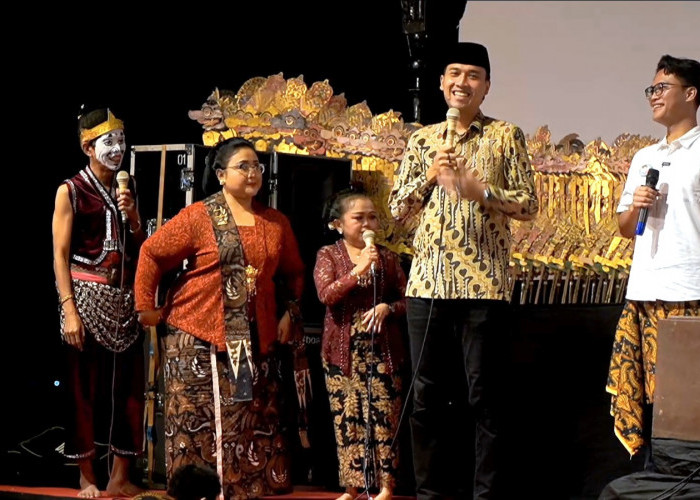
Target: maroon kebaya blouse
[{"x": 343, "y": 296}]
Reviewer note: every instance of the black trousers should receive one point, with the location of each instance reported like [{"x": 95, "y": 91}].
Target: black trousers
[{"x": 456, "y": 351}]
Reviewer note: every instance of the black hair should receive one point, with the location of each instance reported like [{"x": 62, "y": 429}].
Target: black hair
[
  {"x": 337, "y": 204},
  {"x": 217, "y": 159},
  {"x": 686, "y": 70},
  {"x": 90, "y": 119},
  {"x": 193, "y": 482}
]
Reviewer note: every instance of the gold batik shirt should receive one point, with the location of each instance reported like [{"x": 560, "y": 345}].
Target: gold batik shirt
[{"x": 461, "y": 249}]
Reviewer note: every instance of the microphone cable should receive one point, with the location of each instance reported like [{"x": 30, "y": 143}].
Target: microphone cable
[
  {"x": 369, "y": 451},
  {"x": 409, "y": 395},
  {"x": 122, "y": 269},
  {"x": 677, "y": 487},
  {"x": 408, "y": 392}
]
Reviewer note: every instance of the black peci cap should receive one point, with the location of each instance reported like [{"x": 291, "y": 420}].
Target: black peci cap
[{"x": 470, "y": 53}]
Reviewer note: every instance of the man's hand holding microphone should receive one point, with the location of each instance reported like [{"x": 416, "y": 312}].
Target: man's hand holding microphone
[
  {"x": 126, "y": 202},
  {"x": 450, "y": 170}
]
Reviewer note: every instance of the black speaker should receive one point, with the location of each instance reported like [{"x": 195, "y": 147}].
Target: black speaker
[{"x": 299, "y": 186}]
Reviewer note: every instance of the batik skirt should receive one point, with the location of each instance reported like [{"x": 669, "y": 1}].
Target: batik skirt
[
  {"x": 254, "y": 456},
  {"x": 365, "y": 431},
  {"x": 632, "y": 374}
]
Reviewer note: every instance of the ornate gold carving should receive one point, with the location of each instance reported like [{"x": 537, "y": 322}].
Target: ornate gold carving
[
  {"x": 570, "y": 253},
  {"x": 572, "y": 250},
  {"x": 287, "y": 116}
]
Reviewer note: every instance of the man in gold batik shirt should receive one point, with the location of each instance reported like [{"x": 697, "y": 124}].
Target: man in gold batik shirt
[{"x": 459, "y": 184}]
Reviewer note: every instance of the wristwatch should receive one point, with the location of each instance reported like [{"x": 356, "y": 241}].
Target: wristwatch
[{"x": 488, "y": 195}]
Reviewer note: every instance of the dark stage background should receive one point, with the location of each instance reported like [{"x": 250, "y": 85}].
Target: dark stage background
[{"x": 151, "y": 69}]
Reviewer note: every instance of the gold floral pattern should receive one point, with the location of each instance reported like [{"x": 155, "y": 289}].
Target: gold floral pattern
[
  {"x": 350, "y": 409},
  {"x": 632, "y": 374}
]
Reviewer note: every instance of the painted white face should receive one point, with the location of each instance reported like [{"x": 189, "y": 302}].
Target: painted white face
[{"x": 110, "y": 148}]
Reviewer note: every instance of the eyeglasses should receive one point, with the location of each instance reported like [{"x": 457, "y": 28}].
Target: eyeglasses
[
  {"x": 660, "y": 88},
  {"x": 247, "y": 168}
]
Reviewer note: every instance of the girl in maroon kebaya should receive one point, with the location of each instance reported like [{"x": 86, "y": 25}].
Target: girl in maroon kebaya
[{"x": 362, "y": 345}]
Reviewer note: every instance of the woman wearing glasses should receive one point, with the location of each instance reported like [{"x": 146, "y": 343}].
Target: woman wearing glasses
[{"x": 221, "y": 382}]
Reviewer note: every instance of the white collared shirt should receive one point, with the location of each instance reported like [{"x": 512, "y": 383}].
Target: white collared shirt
[{"x": 666, "y": 260}]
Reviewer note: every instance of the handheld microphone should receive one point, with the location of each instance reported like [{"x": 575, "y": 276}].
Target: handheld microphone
[
  {"x": 123, "y": 181},
  {"x": 452, "y": 119},
  {"x": 651, "y": 180},
  {"x": 368, "y": 237}
]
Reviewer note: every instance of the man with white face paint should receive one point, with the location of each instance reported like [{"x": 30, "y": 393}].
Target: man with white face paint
[
  {"x": 94, "y": 262},
  {"x": 109, "y": 149}
]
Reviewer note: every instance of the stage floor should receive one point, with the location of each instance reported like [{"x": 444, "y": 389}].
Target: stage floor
[{"x": 49, "y": 493}]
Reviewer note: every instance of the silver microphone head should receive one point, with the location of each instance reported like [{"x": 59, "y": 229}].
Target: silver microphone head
[
  {"x": 123, "y": 179},
  {"x": 123, "y": 182},
  {"x": 453, "y": 114},
  {"x": 368, "y": 237},
  {"x": 452, "y": 119}
]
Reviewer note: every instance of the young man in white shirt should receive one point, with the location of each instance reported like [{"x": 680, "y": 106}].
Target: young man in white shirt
[{"x": 665, "y": 276}]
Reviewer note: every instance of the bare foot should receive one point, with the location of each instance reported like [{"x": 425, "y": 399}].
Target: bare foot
[
  {"x": 350, "y": 494},
  {"x": 88, "y": 490},
  {"x": 122, "y": 489},
  {"x": 88, "y": 481},
  {"x": 385, "y": 494},
  {"x": 119, "y": 484}
]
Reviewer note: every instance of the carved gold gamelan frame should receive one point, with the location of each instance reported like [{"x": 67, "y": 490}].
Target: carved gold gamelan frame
[
  {"x": 287, "y": 116},
  {"x": 571, "y": 252}
]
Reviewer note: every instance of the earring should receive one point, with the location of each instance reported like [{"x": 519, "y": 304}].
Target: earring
[
  {"x": 340, "y": 230},
  {"x": 222, "y": 182}
]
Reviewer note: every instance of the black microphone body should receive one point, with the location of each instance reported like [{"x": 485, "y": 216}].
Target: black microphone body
[{"x": 651, "y": 180}]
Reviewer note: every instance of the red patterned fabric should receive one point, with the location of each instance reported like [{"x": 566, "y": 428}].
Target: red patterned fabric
[
  {"x": 195, "y": 302},
  {"x": 101, "y": 382},
  {"x": 97, "y": 226},
  {"x": 342, "y": 295},
  {"x": 90, "y": 208}
]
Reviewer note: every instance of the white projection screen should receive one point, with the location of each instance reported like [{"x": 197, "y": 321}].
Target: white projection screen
[{"x": 579, "y": 67}]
